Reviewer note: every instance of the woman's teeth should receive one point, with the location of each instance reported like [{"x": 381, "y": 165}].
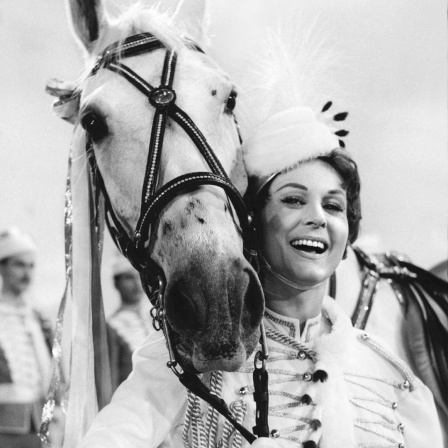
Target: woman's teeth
[{"x": 309, "y": 245}]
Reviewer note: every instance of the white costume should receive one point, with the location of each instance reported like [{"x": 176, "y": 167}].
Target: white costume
[
  {"x": 25, "y": 345},
  {"x": 371, "y": 398},
  {"x": 25, "y": 368}
]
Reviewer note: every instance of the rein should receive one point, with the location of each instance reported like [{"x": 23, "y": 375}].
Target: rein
[{"x": 163, "y": 99}]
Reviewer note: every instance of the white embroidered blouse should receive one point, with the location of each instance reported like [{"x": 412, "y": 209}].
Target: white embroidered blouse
[{"x": 371, "y": 399}]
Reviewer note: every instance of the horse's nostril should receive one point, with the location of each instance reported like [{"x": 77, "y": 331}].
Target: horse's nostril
[{"x": 180, "y": 309}]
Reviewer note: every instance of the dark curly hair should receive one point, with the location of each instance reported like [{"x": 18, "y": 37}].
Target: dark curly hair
[{"x": 346, "y": 167}]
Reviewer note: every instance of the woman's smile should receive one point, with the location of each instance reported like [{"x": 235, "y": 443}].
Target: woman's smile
[{"x": 310, "y": 246}]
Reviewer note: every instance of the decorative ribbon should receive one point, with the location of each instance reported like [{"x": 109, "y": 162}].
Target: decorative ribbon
[
  {"x": 57, "y": 380},
  {"x": 101, "y": 354}
]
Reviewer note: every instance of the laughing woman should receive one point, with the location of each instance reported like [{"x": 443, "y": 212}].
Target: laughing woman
[{"x": 329, "y": 385}]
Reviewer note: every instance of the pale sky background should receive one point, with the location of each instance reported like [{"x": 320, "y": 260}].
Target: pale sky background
[{"x": 396, "y": 78}]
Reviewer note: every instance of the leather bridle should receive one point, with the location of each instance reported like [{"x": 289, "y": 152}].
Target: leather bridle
[{"x": 163, "y": 99}]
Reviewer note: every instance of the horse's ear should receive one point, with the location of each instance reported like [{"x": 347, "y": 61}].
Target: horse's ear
[
  {"x": 86, "y": 17},
  {"x": 193, "y": 15}
]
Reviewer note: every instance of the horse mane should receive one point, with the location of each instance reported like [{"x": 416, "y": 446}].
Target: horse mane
[
  {"x": 139, "y": 18},
  {"x": 135, "y": 19}
]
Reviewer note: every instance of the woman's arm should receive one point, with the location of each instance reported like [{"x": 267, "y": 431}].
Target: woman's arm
[{"x": 147, "y": 409}]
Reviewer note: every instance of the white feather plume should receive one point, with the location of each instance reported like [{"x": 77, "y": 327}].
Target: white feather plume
[
  {"x": 294, "y": 66},
  {"x": 292, "y": 75}
]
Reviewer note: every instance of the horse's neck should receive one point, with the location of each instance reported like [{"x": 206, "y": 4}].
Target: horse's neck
[{"x": 348, "y": 282}]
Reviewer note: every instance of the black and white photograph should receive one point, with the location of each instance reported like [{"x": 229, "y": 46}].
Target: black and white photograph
[{"x": 223, "y": 223}]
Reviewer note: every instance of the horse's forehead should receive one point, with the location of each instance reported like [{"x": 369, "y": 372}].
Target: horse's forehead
[{"x": 129, "y": 116}]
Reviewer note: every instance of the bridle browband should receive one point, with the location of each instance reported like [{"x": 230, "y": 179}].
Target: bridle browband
[{"x": 163, "y": 99}]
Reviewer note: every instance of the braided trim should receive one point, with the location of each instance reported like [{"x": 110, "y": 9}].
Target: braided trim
[
  {"x": 387, "y": 404},
  {"x": 290, "y": 325},
  {"x": 392, "y": 383},
  {"x": 401, "y": 366},
  {"x": 187, "y": 421},
  {"x": 212, "y": 413},
  {"x": 391, "y": 426},
  {"x": 193, "y": 424},
  {"x": 226, "y": 434},
  {"x": 289, "y": 341},
  {"x": 250, "y": 369},
  {"x": 292, "y": 429},
  {"x": 365, "y": 386},
  {"x": 282, "y": 357},
  {"x": 308, "y": 331},
  {"x": 306, "y": 420},
  {"x": 294, "y": 377},
  {"x": 373, "y": 411},
  {"x": 194, "y": 427},
  {"x": 199, "y": 423},
  {"x": 239, "y": 410},
  {"x": 279, "y": 407},
  {"x": 287, "y": 395},
  {"x": 378, "y": 433},
  {"x": 283, "y": 351}
]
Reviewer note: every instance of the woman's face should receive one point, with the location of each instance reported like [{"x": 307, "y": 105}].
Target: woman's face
[{"x": 304, "y": 227}]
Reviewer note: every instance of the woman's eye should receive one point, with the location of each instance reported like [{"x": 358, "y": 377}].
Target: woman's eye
[
  {"x": 293, "y": 200},
  {"x": 95, "y": 126},
  {"x": 334, "y": 207},
  {"x": 231, "y": 101}
]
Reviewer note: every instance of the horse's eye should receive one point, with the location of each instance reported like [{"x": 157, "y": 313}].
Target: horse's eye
[
  {"x": 231, "y": 101},
  {"x": 95, "y": 126}
]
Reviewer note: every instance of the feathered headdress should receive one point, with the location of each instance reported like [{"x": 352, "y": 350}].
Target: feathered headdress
[{"x": 287, "y": 117}]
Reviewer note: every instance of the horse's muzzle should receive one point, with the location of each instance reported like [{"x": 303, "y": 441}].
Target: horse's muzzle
[{"x": 215, "y": 316}]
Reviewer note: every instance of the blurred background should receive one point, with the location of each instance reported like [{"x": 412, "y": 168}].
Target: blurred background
[{"x": 395, "y": 86}]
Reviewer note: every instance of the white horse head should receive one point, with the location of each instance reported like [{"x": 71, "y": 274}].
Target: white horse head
[{"x": 213, "y": 298}]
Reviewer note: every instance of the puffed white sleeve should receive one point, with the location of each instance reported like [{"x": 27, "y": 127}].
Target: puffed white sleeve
[
  {"x": 418, "y": 415},
  {"x": 147, "y": 410}
]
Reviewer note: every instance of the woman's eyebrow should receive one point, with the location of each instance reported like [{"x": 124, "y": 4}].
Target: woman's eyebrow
[
  {"x": 337, "y": 191},
  {"x": 293, "y": 184}
]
